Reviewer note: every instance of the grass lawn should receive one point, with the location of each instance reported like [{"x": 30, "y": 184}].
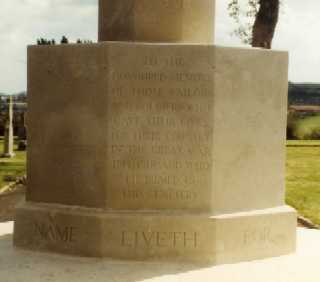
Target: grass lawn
[
  {"x": 14, "y": 166},
  {"x": 303, "y": 178}
]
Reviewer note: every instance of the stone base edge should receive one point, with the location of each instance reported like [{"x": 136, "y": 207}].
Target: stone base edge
[{"x": 156, "y": 236}]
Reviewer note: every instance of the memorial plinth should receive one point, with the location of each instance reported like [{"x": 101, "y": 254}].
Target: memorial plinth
[{"x": 157, "y": 151}]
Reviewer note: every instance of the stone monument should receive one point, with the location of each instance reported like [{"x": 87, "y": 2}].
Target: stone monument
[
  {"x": 169, "y": 148},
  {"x": 8, "y": 132}
]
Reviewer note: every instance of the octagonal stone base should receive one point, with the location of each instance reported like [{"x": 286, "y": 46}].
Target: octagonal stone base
[{"x": 156, "y": 236}]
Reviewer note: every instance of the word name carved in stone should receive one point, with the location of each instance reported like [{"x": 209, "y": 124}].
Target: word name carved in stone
[
  {"x": 54, "y": 232},
  {"x": 158, "y": 239}
]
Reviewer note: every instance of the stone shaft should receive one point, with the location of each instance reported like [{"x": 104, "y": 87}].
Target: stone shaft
[{"x": 157, "y": 20}]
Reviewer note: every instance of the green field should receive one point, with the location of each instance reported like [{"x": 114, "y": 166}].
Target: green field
[
  {"x": 15, "y": 166},
  {"x": 303, "y": 178},
  {"x": 303, "y": 175}
]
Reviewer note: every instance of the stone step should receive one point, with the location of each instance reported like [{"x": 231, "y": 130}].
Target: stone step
[{"x": 155, "y": 235}]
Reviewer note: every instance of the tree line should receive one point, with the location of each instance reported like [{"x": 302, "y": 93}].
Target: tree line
[{"x": 63, "y": 40}]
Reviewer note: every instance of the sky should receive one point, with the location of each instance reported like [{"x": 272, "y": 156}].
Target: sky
[{"x": 23, "y": 21}]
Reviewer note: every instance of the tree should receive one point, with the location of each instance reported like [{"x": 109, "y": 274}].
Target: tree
[
  {"x": 262, "y": 18},
  {"x": 64, "y": 40},
  {"x": 43, "y": 41},
  {"x": 85, "y": 41}
]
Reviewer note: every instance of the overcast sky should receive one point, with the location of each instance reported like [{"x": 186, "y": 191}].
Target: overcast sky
[{"x": 23, "y": 21}]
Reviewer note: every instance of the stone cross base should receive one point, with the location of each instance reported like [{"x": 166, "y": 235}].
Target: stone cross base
[
  {"x": 172, "y": 151},
  {"x": 152, "y": 235}
]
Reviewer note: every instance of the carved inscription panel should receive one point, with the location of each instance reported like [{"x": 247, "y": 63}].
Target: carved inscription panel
[
  {"x": 160, "y": 114},
  {"x": 126, "y": 126}
]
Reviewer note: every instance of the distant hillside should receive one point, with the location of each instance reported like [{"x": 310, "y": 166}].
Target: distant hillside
[{"x": 304, "y": 94}]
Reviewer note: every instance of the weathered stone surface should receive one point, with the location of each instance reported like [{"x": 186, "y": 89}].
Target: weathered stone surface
[
  {"x": 157, "y": 20},
  {"x": 249, "y": 126},
  {"x": 8, "y": 203},
  {"x": 154, "y": 235},
  {"x": 162, "y": 127}
]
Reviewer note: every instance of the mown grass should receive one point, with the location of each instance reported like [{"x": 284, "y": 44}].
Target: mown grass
[
  {"x": 303, "y": 143},
  {"x": 12, "y": 166},
  {"x": 303, "y": 178}
]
